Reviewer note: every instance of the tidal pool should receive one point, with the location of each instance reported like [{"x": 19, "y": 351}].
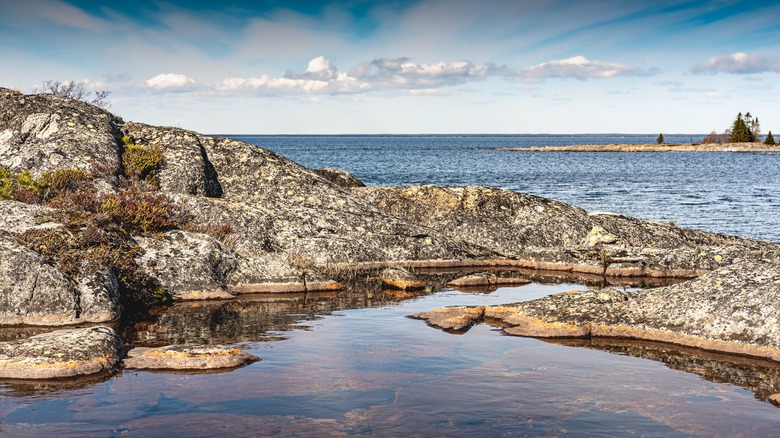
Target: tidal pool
[{"x": 352, "y": 363}]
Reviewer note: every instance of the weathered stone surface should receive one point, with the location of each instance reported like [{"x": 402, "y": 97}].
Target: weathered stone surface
[
  {"x": 32, "y": 291},
  {"x": 487, "y": 279},
  {"x": 400, "y": 279},
  {"x": 61, "y": 354},
  {"x": 188, "y": 265},
  {"x": 45, "y": 132},
  {"x": 35, "y": 293},
  {"x": 733, "y": 309},
  {"x": 187, "y": 357},
  {"x": 456, "y": 318},
  {"x": 18, "y": 217},
  {"x": 98, "y": 294},
  {"x": 340, "y": 177}
]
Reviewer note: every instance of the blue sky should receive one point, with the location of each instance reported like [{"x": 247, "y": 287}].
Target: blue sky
[{"x": 423, "y": 66}]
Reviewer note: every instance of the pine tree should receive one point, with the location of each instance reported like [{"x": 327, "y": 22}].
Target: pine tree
[
  {"x": 769, "y": 139},
  {"x": 740, "y": 133},
  {"x": 660, "y": 139}
]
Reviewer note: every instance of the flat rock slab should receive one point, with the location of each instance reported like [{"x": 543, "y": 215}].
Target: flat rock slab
[
  {"x": 487, "y": 279},
  {"x": 187, "y": 358},
  {"x": 453, "y": 319},
  {"x": 397, "y": 278},
  {"x": 61, "y": 354}
]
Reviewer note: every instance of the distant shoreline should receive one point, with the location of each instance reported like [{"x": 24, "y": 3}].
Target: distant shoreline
[{"x": 685, "y": 147}]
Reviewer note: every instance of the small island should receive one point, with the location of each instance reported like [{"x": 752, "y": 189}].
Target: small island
[{"x": 685, "y": 147}]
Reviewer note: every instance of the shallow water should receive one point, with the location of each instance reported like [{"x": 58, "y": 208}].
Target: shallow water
[
  {"x": 351, "y": 363},
  {"x": 373, "y": 371}
]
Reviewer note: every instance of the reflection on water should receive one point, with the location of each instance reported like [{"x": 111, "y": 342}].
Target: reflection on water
[
  {"x": 351, "y": 363},
  {"x": 762, "y": 377}
]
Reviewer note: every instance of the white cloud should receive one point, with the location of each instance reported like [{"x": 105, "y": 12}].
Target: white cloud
[
  {"x": 402, "y": 73},
  {"x": 170, "y": 82},
  {"x": 577, "y": 67},
  {"x": 739, "y": 63}
]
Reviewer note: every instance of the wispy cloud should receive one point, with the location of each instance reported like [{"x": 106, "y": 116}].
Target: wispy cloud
[
  {"x": 576, "y": 67},
  {"x": 322, "y": 76},
  {"x": 739, "y": 63}
]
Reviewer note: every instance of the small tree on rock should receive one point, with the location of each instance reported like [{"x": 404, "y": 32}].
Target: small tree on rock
[
  {"x": 740, "y": 133},
  {"x": 769, "y": 139},
  {"x": 660, "y": 139},
  {"x": 75, "y": 90}
]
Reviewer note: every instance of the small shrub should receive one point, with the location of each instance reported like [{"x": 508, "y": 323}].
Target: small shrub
[
  {"x": 141, "y": 162},
  {"x": 20, "y": 186},
  {"x": 142, "y": 212}
]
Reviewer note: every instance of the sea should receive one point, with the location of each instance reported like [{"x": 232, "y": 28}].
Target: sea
[{"x": 352, "y": 363}]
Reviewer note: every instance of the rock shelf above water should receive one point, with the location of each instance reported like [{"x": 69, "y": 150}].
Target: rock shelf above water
[{"x": 262, "y": 223}]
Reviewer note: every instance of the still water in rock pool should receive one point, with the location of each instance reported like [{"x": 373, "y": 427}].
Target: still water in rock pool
[{"x": 351, "y": 362}]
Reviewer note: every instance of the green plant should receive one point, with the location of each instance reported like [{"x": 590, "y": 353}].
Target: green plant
[
  {"x": 142, "y": 162},
  {"x": 142, "y": 212},
  {"x": 660, "y": 139},
  {"x": 770, "y": 140}
]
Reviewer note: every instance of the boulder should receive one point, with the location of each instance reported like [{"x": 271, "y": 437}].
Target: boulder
[
  {"x": 33, "y": 292},
  {"x": 187, "y": 358},
  {"x": 454, "y": 319},
  {"x": 400, "y": 279},
  {"x": 61, "y": 354},
  {"x": 42, "y": 132},
  {"x": 188, "y": 265},
  {"x": 341, "y": 178}
]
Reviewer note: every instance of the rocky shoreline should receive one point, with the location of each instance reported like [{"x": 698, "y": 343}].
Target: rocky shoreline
[
  {"x": 705, "y": 147},
  {"x": 101, "y": 217}
]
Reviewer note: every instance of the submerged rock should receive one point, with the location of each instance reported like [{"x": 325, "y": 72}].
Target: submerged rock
[
  {"x": 187, "y": 357},
  {"x": 61, "y": 354},
  {"x": 455, "y": 319}
]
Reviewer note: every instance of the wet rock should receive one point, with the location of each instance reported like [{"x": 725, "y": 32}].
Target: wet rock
[
  {"x": 341, "y": 178},
  {"x": 61, "y": 354},
  {"x": 487, "y": 279},
  {"x": 456, "y": 318},
  {"x": 400, "y": 279},
  {"x": 187, "y": 357}
]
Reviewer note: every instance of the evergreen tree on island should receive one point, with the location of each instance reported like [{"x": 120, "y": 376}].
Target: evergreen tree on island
[
  {"x": 660, "y": 139},
  {"x": 740, "y": 133},
  {"x": 769, "y": 139}
]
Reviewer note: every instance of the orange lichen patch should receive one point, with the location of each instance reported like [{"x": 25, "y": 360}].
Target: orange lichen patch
[
  {"x": 499, "y": 312},
  {"x": 204, "y": 295},
  {"x": 190, "y": 354},
  {"x": 487, "y": 279},
  {"x": 405, "y": 285},
  {"x": 457, "y": 318},
  {"x": 285, "y": 287},
  {"x": 730, "y": 347},
  {"x": 529, "y": 264},
  {"x": 568, "y": 292},
  {"x": 526, "y": 326}
]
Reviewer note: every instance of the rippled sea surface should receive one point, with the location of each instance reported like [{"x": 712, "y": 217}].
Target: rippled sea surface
[
  {"x": 733, "y": 193},
  {"x": 352, "y": 363}
]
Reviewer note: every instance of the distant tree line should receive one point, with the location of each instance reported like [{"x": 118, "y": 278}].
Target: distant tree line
[{"x": 745, "y": 129}]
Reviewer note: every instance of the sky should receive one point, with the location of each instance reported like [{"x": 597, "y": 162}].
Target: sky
[{"x": 407, "y": 66}]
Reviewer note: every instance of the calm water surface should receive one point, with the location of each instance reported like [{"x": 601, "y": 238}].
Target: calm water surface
[
  {"x": 733, "y": 193},
  {"x": 351, "y": 363}
]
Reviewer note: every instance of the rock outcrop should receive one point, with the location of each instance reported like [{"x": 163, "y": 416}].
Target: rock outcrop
[
  {"x": 61, "y": 354},
  {"x": 187, "y": 358},
  {"x": 733, "y": 309},
  {"x": 258, "y": 222}
]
